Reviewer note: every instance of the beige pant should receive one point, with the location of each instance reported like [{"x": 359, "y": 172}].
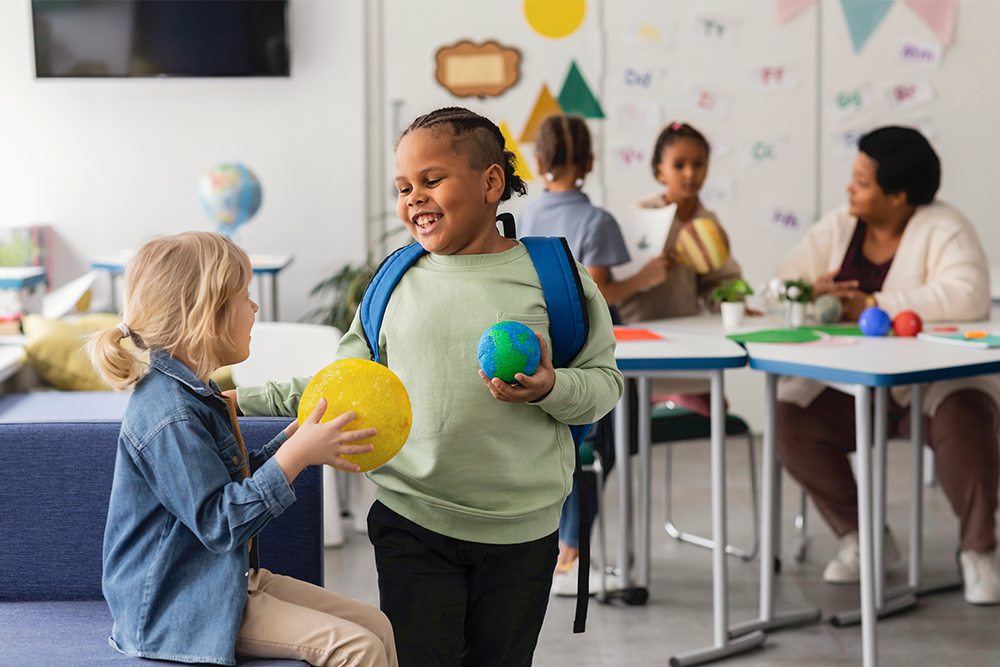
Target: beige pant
[{"x": 288, "y": 618}]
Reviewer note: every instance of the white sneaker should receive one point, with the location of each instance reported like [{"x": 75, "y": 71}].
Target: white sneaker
[
  {"x": 846, "y": 567},
  {"x": 981, "y": 574},
  {"x": 564, "y": 581}
]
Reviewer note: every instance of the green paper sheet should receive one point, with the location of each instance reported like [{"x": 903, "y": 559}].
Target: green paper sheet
[{"x": 801, "y": 335}]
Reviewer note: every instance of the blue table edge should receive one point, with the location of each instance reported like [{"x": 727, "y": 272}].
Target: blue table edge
[{"x": 871, "y": 379}]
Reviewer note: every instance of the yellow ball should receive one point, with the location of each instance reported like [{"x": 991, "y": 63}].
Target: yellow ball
[
  {"x": 373, "y": 392},
  {"x": 702, "y": 245}
]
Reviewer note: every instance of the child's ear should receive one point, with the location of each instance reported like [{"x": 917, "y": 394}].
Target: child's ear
[{"x": 494, "y": 181}]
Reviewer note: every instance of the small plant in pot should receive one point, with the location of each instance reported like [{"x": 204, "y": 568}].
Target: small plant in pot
[
  {"x": 731, "y": 296},
  {"x": 796, "y": 294}
]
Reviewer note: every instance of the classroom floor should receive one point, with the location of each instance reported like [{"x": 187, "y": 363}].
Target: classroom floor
[{"x": 943, "y": 630}]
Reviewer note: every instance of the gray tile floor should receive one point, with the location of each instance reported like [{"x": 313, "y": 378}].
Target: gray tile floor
[{"x": 678, "y": 618}]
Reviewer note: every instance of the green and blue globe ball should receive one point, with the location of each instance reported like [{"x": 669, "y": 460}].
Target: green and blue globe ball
[{"x": 508, "y": 348}]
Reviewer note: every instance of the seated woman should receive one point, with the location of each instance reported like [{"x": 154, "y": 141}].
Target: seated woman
[{"x": 897, "y": 247}]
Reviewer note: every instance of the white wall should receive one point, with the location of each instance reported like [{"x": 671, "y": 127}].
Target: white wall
[{"x": 110, "y": 162}]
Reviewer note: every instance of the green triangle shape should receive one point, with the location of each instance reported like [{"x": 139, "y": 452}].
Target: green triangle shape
[{"x": 575, "y": 96}]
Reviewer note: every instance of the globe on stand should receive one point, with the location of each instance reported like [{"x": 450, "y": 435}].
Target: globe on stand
[{"x": 230, "y": 195}]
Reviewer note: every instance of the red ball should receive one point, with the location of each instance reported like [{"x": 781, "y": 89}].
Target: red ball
[{"x": 907, "y": 323}]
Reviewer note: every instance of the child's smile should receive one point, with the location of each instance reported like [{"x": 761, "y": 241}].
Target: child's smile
[{"x": 448, "y": 205}]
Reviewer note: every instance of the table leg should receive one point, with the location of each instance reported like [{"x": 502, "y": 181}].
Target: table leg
[
  {"x": 645, "y": 482},
  {"x": 274, "y": 298},
  {"x": 722, "y": 645},
  {"x": 770, "y": 512},
  {"x": 624, "y": 461},
  {"x": 863, "y": 425},
  {"x": 899, "y": 600},
  {"x": 915, "y": 585}
]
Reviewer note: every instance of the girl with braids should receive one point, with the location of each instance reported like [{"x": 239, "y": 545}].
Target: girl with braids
[
  {"x": 181, "y": 574},
  {"x": 464, "y": 527}
]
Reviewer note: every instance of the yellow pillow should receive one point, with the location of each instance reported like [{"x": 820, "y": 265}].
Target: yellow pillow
[{"x": 56, "y": 352}]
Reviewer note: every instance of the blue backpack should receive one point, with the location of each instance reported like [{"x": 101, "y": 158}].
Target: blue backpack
[{"x": 569, "y": 327}]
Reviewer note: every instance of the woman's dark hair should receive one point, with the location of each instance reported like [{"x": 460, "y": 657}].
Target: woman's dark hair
[
  {"x": 670, "y": 135},
  {"x": 563, "y": 141},
  {"x": 906, "y": 163},
  {"x": 476, "y": 137}
]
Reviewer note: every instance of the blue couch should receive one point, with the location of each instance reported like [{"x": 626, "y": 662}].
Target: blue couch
[{"x": 55, "y": 481}]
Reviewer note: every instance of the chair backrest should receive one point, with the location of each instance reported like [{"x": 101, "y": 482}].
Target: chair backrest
[
  {"x": 283, "y": 350},
  {"x": 55, "y": 482}
]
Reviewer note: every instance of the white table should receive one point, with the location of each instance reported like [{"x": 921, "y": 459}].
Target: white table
[
  {"x": 264, "y": 266},
  {"x": 11, "y": 360},
  {"x": 870, "y": 366},
  {"x": 678, "y": 354}
]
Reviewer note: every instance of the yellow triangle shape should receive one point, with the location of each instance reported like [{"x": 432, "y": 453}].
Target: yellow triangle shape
[
  {"x": 545, "y": 106},
  {"x": 523, "y": 170}
]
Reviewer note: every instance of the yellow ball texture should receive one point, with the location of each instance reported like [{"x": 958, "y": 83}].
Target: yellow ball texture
[
  {"x": 373, "y": 392},
  {"x": 701, "y": 244}
]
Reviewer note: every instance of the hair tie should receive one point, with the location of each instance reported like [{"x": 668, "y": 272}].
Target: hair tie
[
  {"x": 124, "y": 329},
  {"x": 675, "y": 126}
]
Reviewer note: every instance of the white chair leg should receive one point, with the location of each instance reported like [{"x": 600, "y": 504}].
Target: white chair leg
[
  {"x": 333, "y": 530},
  {"x": 697, "y": 540}
]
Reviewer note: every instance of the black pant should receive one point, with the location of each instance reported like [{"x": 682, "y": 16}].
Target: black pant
[{"x": 453, "y": 602}]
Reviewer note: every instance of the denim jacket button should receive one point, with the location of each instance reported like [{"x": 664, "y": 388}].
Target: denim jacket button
[{"x": 235, "y": 459}]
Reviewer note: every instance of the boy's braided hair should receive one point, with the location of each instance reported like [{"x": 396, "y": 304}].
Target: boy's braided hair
[{"x": 478, "y": 138}]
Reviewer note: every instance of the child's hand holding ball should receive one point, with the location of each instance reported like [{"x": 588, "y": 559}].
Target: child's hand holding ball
[{"x": 510, "y": 352}]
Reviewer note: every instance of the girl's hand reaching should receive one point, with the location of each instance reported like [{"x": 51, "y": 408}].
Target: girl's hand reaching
[
  {"x": 532, "y": 387},
  {"x": 314, "y": 443}
]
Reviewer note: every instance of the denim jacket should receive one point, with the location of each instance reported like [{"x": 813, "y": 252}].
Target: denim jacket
[{"x": 179, "y": 519}]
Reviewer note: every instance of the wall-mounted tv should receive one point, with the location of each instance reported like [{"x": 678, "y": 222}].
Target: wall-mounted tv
[{"x": 153, "y": 38}]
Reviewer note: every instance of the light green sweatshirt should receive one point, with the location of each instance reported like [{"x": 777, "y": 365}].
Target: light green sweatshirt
[{"x": 475, "y": 468}]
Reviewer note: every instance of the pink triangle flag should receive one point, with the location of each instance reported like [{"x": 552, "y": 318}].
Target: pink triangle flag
[
  {"x": 786, "y": 10},
  {"x": 939, "y": 15}
]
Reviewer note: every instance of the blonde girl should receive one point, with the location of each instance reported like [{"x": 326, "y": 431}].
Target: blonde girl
[{"x": 181, "y": 574}]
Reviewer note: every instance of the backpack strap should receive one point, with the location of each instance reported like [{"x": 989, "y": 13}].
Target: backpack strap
[
  {"x": 569, "y": 323},
  {"x": 569, "y": 328},
  {"x": 377, "y": 294}
]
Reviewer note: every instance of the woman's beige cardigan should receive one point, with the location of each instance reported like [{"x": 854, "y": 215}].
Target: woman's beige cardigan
[{"x": 939, "y": 270}]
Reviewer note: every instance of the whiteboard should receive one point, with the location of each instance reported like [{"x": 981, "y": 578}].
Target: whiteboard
[{"x": 778, "y": 159}]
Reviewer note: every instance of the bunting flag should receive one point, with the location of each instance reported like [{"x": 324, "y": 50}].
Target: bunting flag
[
  {"x": 576, "y": 97},
  {"x": 862, "y": 17},
  {"x": 510, "y": 143},
  {"x": 545, "y": 106},
  {"x": 786, "y": 10},
  {"x": 939, "y": 15}
]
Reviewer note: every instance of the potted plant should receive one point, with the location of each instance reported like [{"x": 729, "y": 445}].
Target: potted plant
[
  {"x": 344, "y": 290},
  {"x": 796, "y": 294},
  {"x": 731, "y": 296}
]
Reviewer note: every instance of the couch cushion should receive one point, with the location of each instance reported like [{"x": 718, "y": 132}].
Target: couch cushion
[
  {"x": 70, "y": 633},
  {"x": 55, "y": 481}
]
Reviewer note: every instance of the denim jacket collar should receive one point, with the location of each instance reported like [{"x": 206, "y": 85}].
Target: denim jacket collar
[{"x": 179, "y": 371}]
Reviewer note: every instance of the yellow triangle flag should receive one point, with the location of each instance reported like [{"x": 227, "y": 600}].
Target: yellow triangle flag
[
  {"x": 545, "y": 106},
  {"x": 523, "y": 170}
]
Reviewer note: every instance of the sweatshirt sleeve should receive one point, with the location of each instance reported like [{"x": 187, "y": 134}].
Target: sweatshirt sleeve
[
  {"x": 273, "y": 399},
  {"x": 957, "y": 285},
  {"x": 590, "y": 388}
]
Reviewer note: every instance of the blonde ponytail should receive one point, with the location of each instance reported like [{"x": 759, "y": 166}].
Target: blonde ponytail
[
  {"x": 178, "y": 298},
  {"x": 118, "y": 367}
]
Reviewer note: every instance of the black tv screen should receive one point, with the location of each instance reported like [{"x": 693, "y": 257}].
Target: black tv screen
[{"x": 149, "y": 38}]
